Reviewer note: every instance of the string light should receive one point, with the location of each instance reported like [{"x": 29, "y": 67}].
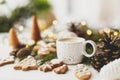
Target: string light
[
  {"x": 116, "y": 33},
  {"x": 21, "y": 28},
  {"x": 27, "y": 46},
  {"x": 83, "y": 23},
  {"x": 54, "y": 22},
  {"x": 100, "y": 31},
  {"x": 89, "y": 32},
  {"x": 107, "y": 30}
]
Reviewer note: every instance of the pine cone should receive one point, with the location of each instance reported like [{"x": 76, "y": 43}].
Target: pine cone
[{"x": 108, "y": 52}]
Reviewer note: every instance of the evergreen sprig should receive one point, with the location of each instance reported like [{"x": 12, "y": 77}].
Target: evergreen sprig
[
  {"x": 20, "y": 13},
  {"x": 46, "y": 59}
]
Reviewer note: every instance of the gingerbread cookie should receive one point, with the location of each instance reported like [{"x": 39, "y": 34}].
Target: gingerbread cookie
[
  {"x": 5, "y": 61},
  {"x": 26, "y": 64},
  {"x": 43, "y": 52},
  {"x": 45, "y": 67},
  {"x": 52, "y": 49},
  {"x": 61, "y": 70},
  {"x": 36, "y": 48},
  {"x": 56, "y": 63},
  {"x": 82, "y": 72},
  {"x": 51, "y": 45}
]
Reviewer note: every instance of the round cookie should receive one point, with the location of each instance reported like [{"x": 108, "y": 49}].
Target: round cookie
[{"x": 82, "y": 72}]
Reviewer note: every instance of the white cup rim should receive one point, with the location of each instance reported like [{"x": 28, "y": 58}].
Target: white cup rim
[{"x": 78, "y": 40}]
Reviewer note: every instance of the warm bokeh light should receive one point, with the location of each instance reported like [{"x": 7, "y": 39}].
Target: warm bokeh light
[
  {"x": 116, "y": 33},
  {"x": 21, "y": 28},
  {"x": 107, "y": 30},
  {"x": 100, "y": 31},
  {"x": 89, "y": 32},
  {"x": 83, "y": 23},
  {"x": 54, "y": 22}
]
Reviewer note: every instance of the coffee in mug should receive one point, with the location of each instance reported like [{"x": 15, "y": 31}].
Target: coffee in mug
[{"x": 71, "y": 50}]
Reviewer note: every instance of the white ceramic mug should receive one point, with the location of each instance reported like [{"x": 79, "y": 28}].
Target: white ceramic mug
[{"x": 71, "y": 50}]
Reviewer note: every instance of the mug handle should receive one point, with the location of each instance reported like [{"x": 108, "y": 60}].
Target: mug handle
[{"x": 84, "y": 48}]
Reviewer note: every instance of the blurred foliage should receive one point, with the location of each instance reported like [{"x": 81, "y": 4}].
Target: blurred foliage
[
  {"x": 33, "y": 8},
  {"x": 3, "y": 2},
  {"x": 40, "y": 5},
  {"x": 83, "y": 30}
]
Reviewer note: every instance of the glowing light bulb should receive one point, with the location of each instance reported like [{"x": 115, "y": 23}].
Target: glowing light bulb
[
  {"x": 21, "y": 28},
  {"x": 107, "y": 30},
  {"x": 115, "y": 33},
  {"x": 83, "y": 23},
  {"x": 89, "y": 32},
  {"x": 54, "y": 22},
  {"x": 100, "y": 31}
]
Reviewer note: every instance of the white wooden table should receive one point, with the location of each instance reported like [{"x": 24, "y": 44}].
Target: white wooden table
[{"x": 8, "y": 73}]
